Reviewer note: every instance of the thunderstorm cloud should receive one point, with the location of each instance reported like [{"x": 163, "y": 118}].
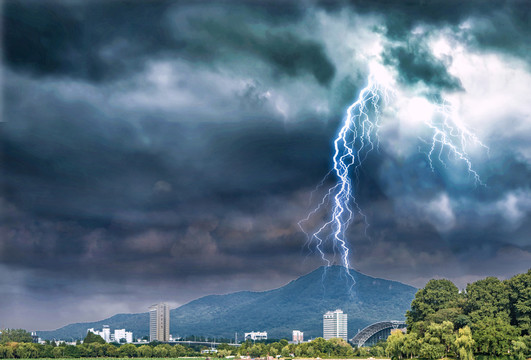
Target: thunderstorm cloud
[{"x": 150, "y": 146}]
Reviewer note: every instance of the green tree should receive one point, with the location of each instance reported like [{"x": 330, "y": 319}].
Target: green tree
[
  {"x": 445, "y": 333},
  {"x": 431, "y": 347},
  {"x": 436, "y": 295},
  {"x": 160, "y": 351},
  {"x": 93, "y": 338},
  {"x": 6, "y": 352},
  {"x": 128, "y": 350},
  {"x": 285, "y": 351},
  {"x": 519, "y": 349},
  {"x": 378, "y": 350},
  {"x": 464, "y": 344},
  {"x": 223, "y": 353},
  {"x": 109, "y": 350},
  {"x": 25, "y": 351},
  {"x": 520, "y": 296},
  {"x": 494, "y": 336},
  {"x": 71, "y": 351},
  {"x": 58, "y": 352},
  {"x": 395, "y": 344},
  {"x": 15, "y": 335},
  {"x": 47, "y": 351},
  {"x": 411, "y": 345},
  {"x": 145, "y": 351},
  {"x": 487, "y": 298}
]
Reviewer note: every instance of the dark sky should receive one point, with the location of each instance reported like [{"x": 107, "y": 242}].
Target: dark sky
[{"x": 165, "y": 150}]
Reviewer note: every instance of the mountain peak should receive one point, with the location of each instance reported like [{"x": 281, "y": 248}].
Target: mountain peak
[{"x": 299, "y": 304}]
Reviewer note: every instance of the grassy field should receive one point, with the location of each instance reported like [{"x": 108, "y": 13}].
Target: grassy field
[{"x": 137, "y": 358}]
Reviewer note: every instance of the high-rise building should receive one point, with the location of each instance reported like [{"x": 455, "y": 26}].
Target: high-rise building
[
  {"x": 297, "y": 336},
  {"x": 159, "y": 322},
  {"x": 335, "y": 325}
]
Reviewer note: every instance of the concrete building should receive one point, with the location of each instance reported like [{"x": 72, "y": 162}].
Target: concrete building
[
  {"x": 120, "y": 334},
  {"x": 297, "y": 336},
  {"x": 159, "y": 322},
  {"x": 256, "y": 335},
  {"x": 335, "y": 325}
]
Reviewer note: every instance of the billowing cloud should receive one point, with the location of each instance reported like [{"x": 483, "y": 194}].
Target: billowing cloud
[{"x": 151, "y": 146}]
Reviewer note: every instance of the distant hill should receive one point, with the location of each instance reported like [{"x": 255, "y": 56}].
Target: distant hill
[{"x": 298, "y": 305}]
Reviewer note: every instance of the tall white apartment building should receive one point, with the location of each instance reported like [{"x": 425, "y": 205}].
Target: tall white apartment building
[
  {"x": 159, "y": 322},
  {"x": 335, "y": 325},
  {"x": 297, "y": 336}
]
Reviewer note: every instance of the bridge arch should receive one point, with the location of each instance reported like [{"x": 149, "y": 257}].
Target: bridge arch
[{"x": 375, "y": 332}]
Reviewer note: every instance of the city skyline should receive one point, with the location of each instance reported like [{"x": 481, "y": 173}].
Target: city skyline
[{"x": 167, "y": 150}]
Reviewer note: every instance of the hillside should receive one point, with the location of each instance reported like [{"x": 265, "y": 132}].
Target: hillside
[{"x": 298, "y": 305}]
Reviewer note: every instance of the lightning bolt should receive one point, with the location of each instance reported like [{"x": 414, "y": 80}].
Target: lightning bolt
[
  {"x": 451, "y": 137},
  {"x": 356, "y": 138}
]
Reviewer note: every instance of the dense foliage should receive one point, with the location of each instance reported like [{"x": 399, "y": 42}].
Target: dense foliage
[
  {"x": 491, "y": 317},
  {"x": 93, "y": 338},
  {"x": 92, "y": 350},
  {"x": 336, "y": 348},
  {"x": 15, "y": 335}
]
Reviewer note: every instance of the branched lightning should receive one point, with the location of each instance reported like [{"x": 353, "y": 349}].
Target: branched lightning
[
  {"x": 357, "y": 137},
  {"x": 452, "y": 138}
]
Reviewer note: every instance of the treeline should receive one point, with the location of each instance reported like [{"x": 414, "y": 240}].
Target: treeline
[
  {"x": 491, "y": 317},
  {"x": 335, "y": 348},
  {"x": 91, "y": 350}
]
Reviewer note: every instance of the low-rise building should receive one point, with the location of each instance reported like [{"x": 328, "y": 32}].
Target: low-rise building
[{"x": 256, "y": 335}]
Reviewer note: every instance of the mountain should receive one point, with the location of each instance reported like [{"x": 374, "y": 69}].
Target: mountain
[{"x": 299, "y": 305}]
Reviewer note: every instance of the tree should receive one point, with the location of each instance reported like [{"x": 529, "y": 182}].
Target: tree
[
  {"x": 15, "y": 335},
  {"x": 520, "y": 295},
  {"x": 71, "y": 351},
  {"x": 160, "y": 351},
  {"x": 128, "y": 350},
  {"x": 431, "y": 347},
  {"x": 145, "y": 351},
  {"x": 465, "y": 344},
  {"x": 487, "y": 298},
  {"x": 494, "y": 336},
  {"x": 436, "y": 295},
  {"x": 58, "y": 352},
  {"x": 518, "y": 349},
  {"x": 25, "y": 351},
  {"x": 395, "y": 344},
  {"x": 411, "y": 345},
  {"x": 6, "y": 352},
  {"x": 285, "y": 351},
  {"x": 109, "y": 350},
  {"x": 223, "y": 353},
  {"x": 93, "y": 338},
  {"x": 445, "y": 333}
]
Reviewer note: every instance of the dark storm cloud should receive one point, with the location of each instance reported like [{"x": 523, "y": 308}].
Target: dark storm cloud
[
  {"x": 104, "y": 41},
  {"x": 93, "y": 188},
  {"x": 416, "y": 65},
  {"x": 161, "y": 143}
]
